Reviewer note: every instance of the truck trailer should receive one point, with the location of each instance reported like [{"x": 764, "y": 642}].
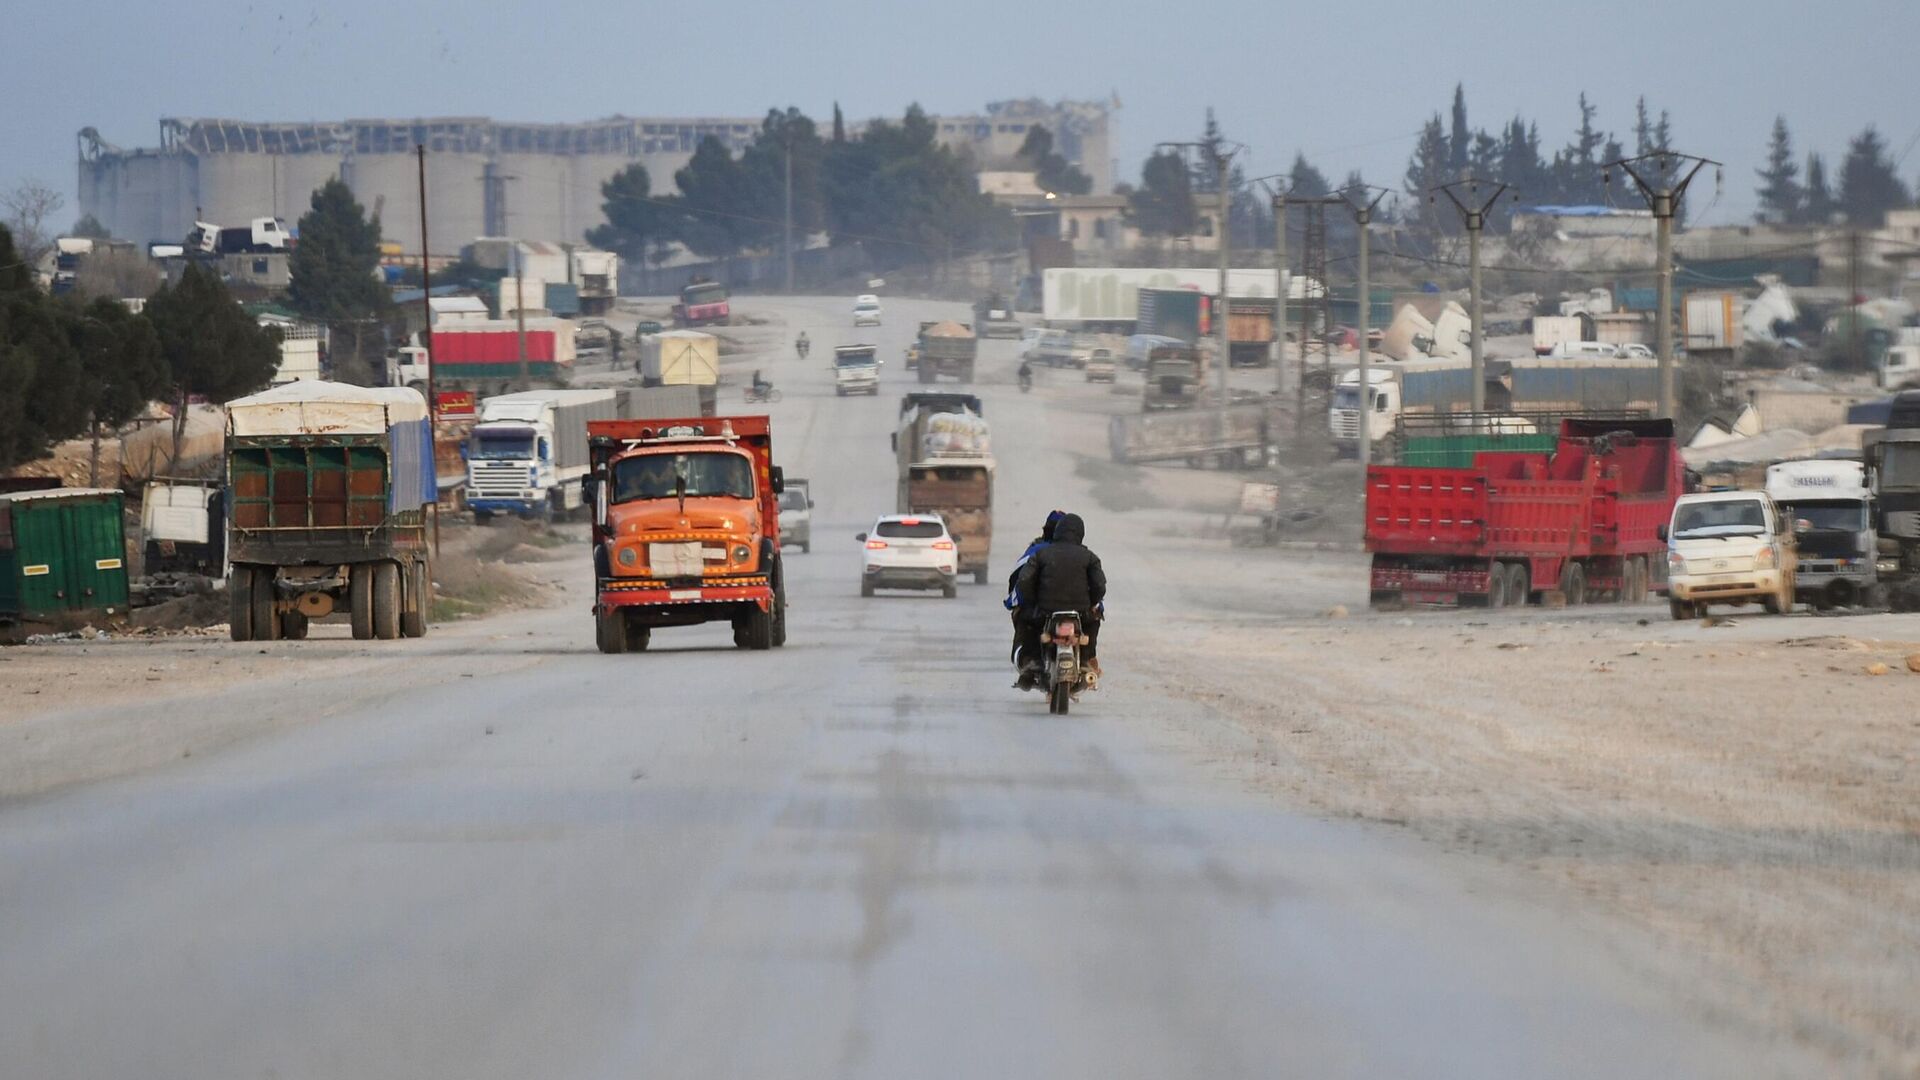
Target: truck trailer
[
  {"x": 682, "y": 358},
  {"x": 1237, "y": 436},
  {"x": 686, "y": 529},
  {"x": 488, "y": 351},
  {"x": 329, "y": 486},
  {"x": 1584, "y": 520},
  {"x": 944, "y": 453}
]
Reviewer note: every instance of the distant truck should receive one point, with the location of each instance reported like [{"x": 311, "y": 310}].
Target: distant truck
[
  {"x": 183, "y": 534},
  {"x": 993, "y": 315},
  {"x": 1175, "y": 377},
  {"x": 259, "y": 236},
  {"x": 1236, "y": 437},
  {"x": 64, "y": 559},
  {"x": 1547, "y": 388},
  {"x": 487, "y": 351},
  {"x": 1251, "y": 324},
  {"x": 944, "y": 451},
  {"x": 1831, "y": 509},
  {"x": 1586, "y": 520},
  {"x": 329, "y": 487},
  {"x": 947, "y": 348},
  {"x": 1107, "y": 298},
  {"x": 528, "y": 451},
  {"x": 703, "y": 303},
  {"x": 856, "y": 370},
  {"x": 682, "y": 358},
  {"x": 1552, "y": 330},
  {"x": 686, "y": 529},
  {"x": 1892, "y": 456}
]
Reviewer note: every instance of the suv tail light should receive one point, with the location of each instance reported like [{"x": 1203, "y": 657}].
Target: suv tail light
[
  {"x": 876, "y": 545},
  {"x": 943, "y": 545}
]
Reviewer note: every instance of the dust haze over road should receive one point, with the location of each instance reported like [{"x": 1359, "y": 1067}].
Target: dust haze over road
[{"x": 493, "y": 852}]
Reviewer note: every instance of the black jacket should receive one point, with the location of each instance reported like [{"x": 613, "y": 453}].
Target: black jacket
[{"x": 1064, "y": 575}]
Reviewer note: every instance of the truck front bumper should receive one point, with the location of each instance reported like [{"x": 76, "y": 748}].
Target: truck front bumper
[
  {"x": 686, "y": 602},
  {"x": 1720, "y": 588},
  {"x": 498, "y": 505}
]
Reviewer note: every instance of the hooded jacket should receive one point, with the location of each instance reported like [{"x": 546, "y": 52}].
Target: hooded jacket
[
  {"x": 1065, "y": 575},
  {"x": 1013, "y": 601}
]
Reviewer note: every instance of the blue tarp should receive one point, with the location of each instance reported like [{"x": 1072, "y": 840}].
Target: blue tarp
[{"x": 414, "y": 482}]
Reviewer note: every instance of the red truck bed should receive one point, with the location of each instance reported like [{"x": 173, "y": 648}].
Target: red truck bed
[{"x": 1583, "y": 519}]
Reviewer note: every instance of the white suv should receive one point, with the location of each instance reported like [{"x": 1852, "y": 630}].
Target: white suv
[
  {"x": 909, "y": 551},
  {"x": 866, "y": 310}
]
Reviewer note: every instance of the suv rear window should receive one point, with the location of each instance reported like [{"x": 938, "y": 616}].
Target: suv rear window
[{"x": 918, "y": 530}]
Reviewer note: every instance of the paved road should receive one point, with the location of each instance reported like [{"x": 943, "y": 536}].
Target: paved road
[{"x": 858, "y": 856}]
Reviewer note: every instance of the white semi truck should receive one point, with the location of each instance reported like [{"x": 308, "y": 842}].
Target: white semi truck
[
  {"x": 528, "y": 451},
  {"x": 1832, "y": 514}
]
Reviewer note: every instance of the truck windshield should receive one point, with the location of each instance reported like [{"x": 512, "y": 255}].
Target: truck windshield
[
  {"x": 703, "y": 294},
  {"x": 711, "y": 474},
  {"x": 863, "y": 359},
  {"x": 1737, "y": 517},
  {"x": 1900, "y": 466},
  {"x": 495, "y": 445},
  {"x": 1833, "y": 517},
  {"x": 1346, "y": 397}
]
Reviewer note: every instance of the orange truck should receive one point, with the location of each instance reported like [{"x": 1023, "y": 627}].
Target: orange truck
[{"x": 686, "y": 529}]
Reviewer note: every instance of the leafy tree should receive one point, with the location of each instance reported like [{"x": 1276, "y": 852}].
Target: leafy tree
[
  {"x": 1642, "y": 127},
  {"x": 1163, "y": 203},
  {"x": 1483, "y": 158},
  {"x": 1521, "y": 167},
  {"x": 1427, "y": 169},
  {"x": 91, "y": 228},
  {"x": 1577, "y": 167},
  {"x": 764, "y": 168},
  {"x": 211, "y": 348},
  {"x": 1306, "y": 181},
  {"x": 897, "y": 188},
  {"x": 1459, "y": 142},
  {"x": 333, "y": 274},
  {"x": 1819, "y": 207},
  {"x": 839, "y": 125},
  {"x": 1781, "y": 196},
  {"x": 712, "y": 204},
  {"x": 42, "y": 395},
  {"x": 119, "y": 366},
  {"x": 1051, "y": 171},
  {"x": 638, "y": 224},
  {"x": 1869, "y": 187}
]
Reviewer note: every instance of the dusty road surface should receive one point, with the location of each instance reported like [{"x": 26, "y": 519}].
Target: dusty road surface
[{"x": 1275, "y": 843}]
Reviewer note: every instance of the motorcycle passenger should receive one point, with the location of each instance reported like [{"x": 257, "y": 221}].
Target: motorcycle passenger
[
  {"x": 1066, "y": 576},
  {"x": 1026, "y": 631}
]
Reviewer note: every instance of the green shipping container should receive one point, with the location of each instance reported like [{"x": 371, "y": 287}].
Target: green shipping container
[
  {"x": 62, "y": 552},
  {"x": 1456, "y": 451}
]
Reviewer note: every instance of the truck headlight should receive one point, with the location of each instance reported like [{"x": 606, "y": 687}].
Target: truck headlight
[
  {"x": 1764, "y": 560},
  {"x": 740, "y": 553},
  {"x": 1675, "y": 563},
  {"x": 628, "y": 557}
]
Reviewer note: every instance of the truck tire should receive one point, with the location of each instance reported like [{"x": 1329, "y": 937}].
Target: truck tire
[
  {"x": 293, "y": 626},
  {"x": 266, "y": 622},
  {"x": 610, "y": 631},
  {"x": 754, "y": 631},
  {"x": 240, "y": 604},
  {"x": 779, "y": 578},
  {"x": 1518, "y": 587},
  {"x": 1681, "y": 610},
  {"x": 980, "y": 575},
  {"x": 386, "y": 600},
  {"x": 483, "y": 517},
  {"x": 638, "y": 638},
  {"x": 360, "y": 600},
  {"x": 949, "y": 590},
  {"x": 1497, "y": 586},
  {"x": 1573, "y": 583},
  {"x": 413, "y": 614},
  {"x": 1776, "y": 604}
]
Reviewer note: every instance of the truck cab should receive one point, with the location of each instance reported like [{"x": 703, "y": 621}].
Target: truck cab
[
  {"x": 703, "y": 303},
  {"x": 1832, "y": 515},
  {"x": 856, "y": 370},
  {"x": 1729, "y": 547},
  {"x": 1383, "y": 408},
  {"x": 1173, "y": 377},
  {"x": 686, "y": 529},
  {"x": 528, "y": 450}
]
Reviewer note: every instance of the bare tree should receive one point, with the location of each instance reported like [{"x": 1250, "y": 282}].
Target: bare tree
[
  {"x": 119, "y": 274},
  {"x": 28, "y": 207}
]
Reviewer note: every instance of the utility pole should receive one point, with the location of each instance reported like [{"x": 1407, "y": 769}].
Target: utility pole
[
  {"x": 426, "y": 333},
  {"x": 1363, "y": 217},
  {"x": 1285, "y": 291},
  {"x": 520, "y": 310},
  {"x": 1220, "y": 153},
  {"x": 1856, "y": 339},
  {"x": 1473, "y": 214},
  {"x": 1662, "y": 178}
]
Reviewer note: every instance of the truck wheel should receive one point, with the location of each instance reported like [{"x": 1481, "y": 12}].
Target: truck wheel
[
  {"x": 1573, "y": 584},
  {"x": 1777, "y": 604},
  {"x": 638, "y": 638},
  {"x": 386, "y": 600},
  {"x": 1681, "y": 610},
  {"x": 483, "y": 517},
  {"x": 610, "y": 631},
  {"x": 360, "y": 600},
  {"x": 266, "y": 624},
  {"x": 1497, "y": 586},
  {"x": 980, "y": 575},
  {"x": 240, "y": 604},
  {"x": 293, "y": 626},
  {"x": 1518, "y": 587},
  {"x": 413, "y": 614},
  {"x": 756, "y": 631}
]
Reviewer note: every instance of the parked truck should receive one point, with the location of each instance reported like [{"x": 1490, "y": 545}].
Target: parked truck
[
  {"x": 1175, "y": 377},
  {"x": 183, "y": 535},
  {"x": 62, "y": 558},
  {"x": 994, "y": 315},
  {"x": 1237, "y": 436},
  {"x": 1530, "y": 386},
  {"x": 329, "y": 486},
  {"x": 487, "y": 351},
  {"x": 703, "y": 303},
  {"x": 856, "y": 370},
  {"x": 1585, "y": 520},
  {"x": 944, "y": 451},
  {"x": 1832, "y": 514},
  {"x": 1250, "y": 330},
  {"x": 1892, "y": 456},
  {"x": 1181, "y": 314},
  {"x": 686, "y": 529},
  {"x": 947, "y": 348},
  {"x": 259, "y": 236},
  {"x": 528, "y": 451},
  {"x": 682, "y": 358}
]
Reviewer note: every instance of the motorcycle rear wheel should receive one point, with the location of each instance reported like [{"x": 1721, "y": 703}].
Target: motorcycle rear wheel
[{"x": 1059, "y": 698}]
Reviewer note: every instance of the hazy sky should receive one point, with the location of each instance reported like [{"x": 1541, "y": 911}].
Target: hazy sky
[{"x": 1349, "y": 83}]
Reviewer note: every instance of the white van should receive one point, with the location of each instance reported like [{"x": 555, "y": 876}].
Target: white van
[
  {"x": 1583, "y": 350},
  {"x": 1728, "y": 547}
]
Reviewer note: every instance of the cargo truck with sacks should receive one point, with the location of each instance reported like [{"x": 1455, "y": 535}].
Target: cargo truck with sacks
[{"x": 944, "y": 450}]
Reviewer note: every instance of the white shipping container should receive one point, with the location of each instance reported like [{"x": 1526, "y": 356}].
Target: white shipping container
[
  {"x": 680, "y": 358},
  {"x": 1112, "y": 294},
  {"x": 1712, "y": 320}
]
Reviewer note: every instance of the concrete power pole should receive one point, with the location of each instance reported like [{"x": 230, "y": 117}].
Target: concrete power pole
[
  {"x": 1280, "y": 303},
  {"x": 1220, "y": 317},
  {"x": 1473, "y": 213},
  {"x": 1363, "y": 217},
  {"x": 426, "y": 332},
  {"x": 1662, "y": 178}
]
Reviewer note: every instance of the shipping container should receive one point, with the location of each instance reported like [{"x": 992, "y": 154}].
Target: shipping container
[
  {"x": 62, "y": 554},
  {"x": 1093, "y": 297},
  {"x": 1237, "y": 435},
  {"x": 1711, "y": 321},
  {"x": 1172, "y": 313},
  {"x": 680, "y": 358},
  {"x": 490, "y": 348}
]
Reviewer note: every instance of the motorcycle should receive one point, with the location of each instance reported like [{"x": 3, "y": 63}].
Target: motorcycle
[
  {"x": 1065, "y": 675},
  {"x": 1026, "y": 381},
  {"x": 762, "y": 392},
  {"x": 802, "y": 346}
]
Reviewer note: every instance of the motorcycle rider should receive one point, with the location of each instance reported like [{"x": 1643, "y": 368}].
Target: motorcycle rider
[
  {"x": 1066, "y": 576},
  {"x": 1026, "y": 374},
  {"x": 1026, "y": 632},
  {"x": 760, "y": 385},
  {"x": 801, "y": 344}
]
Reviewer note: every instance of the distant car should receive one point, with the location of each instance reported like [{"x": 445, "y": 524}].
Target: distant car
[
  {"x": 796, "y": 517},
  {"x": 866, "y": 310},
  {"x": 1586, "y": 350},
  {"x": 1633, "y": 350},
  {"x": 909, "y": 551},
  {"x": 1028, "y": 338},
  {"x": 1053, "y": 348},
  {"x": 1099, "y": 365}
]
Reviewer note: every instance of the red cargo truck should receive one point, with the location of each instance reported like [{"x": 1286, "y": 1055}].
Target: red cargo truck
[
  {"x": 703, "y": 303},
  {"x": 686, "y": 529},
  {"x": 1583, "y": 520}
]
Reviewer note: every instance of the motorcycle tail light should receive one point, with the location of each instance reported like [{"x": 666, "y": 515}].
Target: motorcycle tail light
[{"x": 1065, "y": 630}]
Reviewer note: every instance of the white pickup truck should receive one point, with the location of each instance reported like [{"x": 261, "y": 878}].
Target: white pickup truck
[{"x": 856, "y": 370}]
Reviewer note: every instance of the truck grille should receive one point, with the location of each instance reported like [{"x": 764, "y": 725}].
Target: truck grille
[
  {"x": 1346, "y": 424},
  {"x": 497, "y": 479}
]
